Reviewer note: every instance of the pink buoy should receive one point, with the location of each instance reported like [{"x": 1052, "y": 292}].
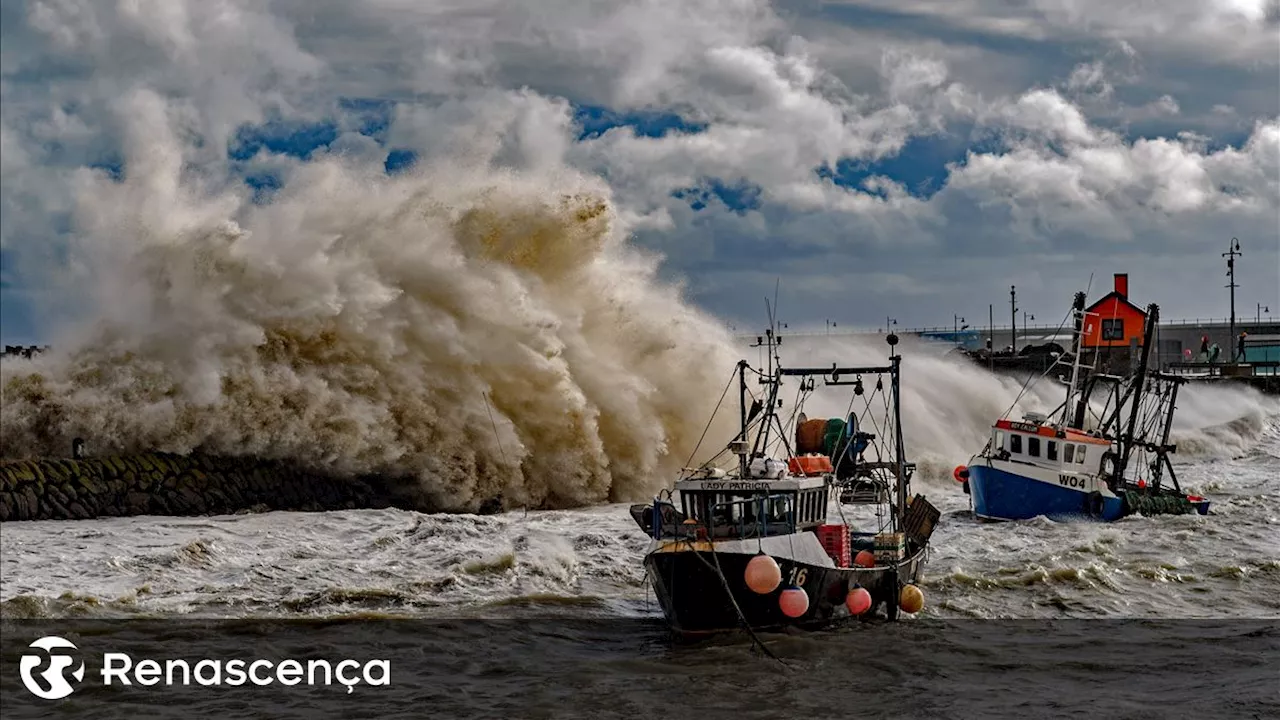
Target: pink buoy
[
  {"x": 858, "y": 601},
  {"x": 794, "y": 602},
  {"x": 866, "y": 558},
  {"x": 763, "y": 574}
]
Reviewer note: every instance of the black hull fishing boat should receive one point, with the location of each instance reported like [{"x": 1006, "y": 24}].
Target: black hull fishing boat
[{"x": 752, "y": 546}]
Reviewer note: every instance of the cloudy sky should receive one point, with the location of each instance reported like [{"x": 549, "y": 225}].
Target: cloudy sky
[{"x": 877, "y": 157}]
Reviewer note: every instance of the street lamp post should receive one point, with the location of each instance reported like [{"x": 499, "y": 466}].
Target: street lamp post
[
  {"x": 1013, "y": 318},
  {"x": 1262, "y": 309},
  {"x": 956, "y": 322},
  {"x": 1230, "y": 255}
]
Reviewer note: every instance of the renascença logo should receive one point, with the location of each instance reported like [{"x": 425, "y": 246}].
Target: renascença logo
[
  {"x": 121, "y": 668},
  {"x": 55, "y": 684}
]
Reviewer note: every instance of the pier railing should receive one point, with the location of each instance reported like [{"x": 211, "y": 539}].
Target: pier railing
[
  {"x": 1040, "y": 329},
  {"x": 1219, "y": 369}
]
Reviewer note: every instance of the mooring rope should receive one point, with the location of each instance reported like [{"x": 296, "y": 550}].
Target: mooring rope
[{"x": 741, "y": 617}]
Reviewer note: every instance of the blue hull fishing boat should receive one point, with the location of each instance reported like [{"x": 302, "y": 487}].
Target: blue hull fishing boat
[{"x": 1052, "y": 466}]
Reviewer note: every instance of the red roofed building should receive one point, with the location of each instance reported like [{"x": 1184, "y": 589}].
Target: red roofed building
[{"x": 1113, "y": 321}]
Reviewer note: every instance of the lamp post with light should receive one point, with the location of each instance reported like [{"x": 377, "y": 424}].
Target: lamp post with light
[{"x": 1233, "y": 249}]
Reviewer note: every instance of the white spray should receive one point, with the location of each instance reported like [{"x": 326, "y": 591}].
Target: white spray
[{"x": 488, "y": 333}]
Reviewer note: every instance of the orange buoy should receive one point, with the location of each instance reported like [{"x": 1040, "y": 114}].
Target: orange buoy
[
  {"x": 858, "y": 601},
  {"x": 794, "y": 602},
  {"x": 763, "y": 574},
  {"x": 961, "y": 474},
  {"x": 865, "y": 558},
  {"x": 911, "y": 599}
]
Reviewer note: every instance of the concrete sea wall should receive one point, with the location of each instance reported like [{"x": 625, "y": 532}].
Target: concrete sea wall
[{"x": 177, "y": 485}]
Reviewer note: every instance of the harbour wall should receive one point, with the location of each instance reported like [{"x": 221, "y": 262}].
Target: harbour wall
[{"x": 177, "y": 485}]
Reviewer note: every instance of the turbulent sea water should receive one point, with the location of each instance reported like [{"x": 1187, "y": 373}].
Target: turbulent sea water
[
  {"x": 537, "y": 599},
  {"x": 1225, "y": 565}
]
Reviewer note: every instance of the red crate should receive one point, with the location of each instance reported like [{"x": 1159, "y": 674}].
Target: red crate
[
  {"x": 835, "y": 540},
  {"x": 810, "y": 465}
]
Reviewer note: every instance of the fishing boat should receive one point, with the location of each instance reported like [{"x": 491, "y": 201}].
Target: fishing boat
[
  {"x": 1055, "y": 466},
  {"x": 753, "y": 546}
]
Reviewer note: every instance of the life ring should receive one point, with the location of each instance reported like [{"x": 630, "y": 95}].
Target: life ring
[{"x": 961, "y": 474}]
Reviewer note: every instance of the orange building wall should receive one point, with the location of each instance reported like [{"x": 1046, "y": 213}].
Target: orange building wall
[{"x": 1113, "y": 308}]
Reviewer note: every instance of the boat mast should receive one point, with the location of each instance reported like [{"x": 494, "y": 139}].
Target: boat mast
[
  {"x": 1164, "y": 437},
  {"x": 1139, "y": 379},
  {"x": 773, "y": 381},
  {"x": 769, "y": 341},
  {"x": 900, "y": 517},
  {"x": 742, "y": 406},
  {"x": 1077, "y": 308}
]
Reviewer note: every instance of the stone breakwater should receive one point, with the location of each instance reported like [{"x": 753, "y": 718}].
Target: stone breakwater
[{"x": 167, "y": 484}]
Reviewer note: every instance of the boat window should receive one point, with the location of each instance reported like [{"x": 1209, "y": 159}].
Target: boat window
[
  {"x": 1052, "y": 450},
  {"x": 1068, "y": 452},
  {"x": 1113, "y": 329},
  {"x": 1015, "y": 443},
  {"x": 999, "y": 440},
  {"x": 694, "y": 505},
  {"x": 723, "y": 514},
  {"x": 1080, "y": 455},
  {"x": 1033, "y": 447}
]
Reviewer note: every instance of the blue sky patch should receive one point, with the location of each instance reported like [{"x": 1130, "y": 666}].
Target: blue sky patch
[
  {"x": 595, "y": 121},
  {"x": 738, "y": 197},
  {"x": 372, "y": 115},
  {"x": 113, "y": 167},
  {"x": 265, "y": 185},
  {"x": 399, "y": 160},
  {"x": 295, "y": 139},
  {"x": 921, "y": 165}
]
